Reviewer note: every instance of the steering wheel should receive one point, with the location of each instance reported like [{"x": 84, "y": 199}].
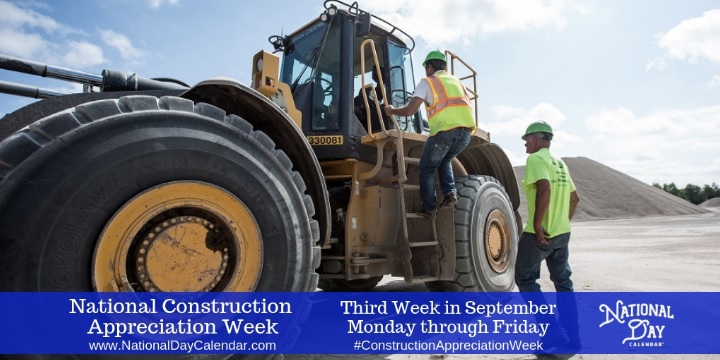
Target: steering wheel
[{"x": 327, "y": 86}]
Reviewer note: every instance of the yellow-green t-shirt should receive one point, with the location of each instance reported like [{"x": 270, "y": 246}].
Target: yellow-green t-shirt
[{"x": 541, "y": 165}]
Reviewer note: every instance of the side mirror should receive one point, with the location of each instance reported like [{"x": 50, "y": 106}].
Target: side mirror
[{"x": 362, "y": 24}]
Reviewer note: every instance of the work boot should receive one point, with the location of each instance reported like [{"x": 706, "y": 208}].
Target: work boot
[
  {"x": 428, "y": 214},
  {"x": 450, "y": 200},
  {"x": 556, "y": 345}
]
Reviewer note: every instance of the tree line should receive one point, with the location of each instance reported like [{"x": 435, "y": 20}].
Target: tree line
[{"x": 691, "y": 192}]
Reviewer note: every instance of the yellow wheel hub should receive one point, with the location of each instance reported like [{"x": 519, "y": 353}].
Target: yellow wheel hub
[
  {"x": 180, "y": 236},
  {"x": 497, "y": 241}
]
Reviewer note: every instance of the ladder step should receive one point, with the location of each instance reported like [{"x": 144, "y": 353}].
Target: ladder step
[
  {"x": 411, "y": 160},
  {"x": 392, "y": 182},
  {"x": 423, "y": 243},
  {"x": 356, "y": 261},
  {"x": 414, "y": 215},
  {"x": 390, "y": 179}
]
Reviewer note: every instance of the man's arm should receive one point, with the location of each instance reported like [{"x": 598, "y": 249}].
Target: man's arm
[
  {"x": 407, "y": 110},
  {"x": 574, "y": 200},
  {"x": 542, "y": 203}
]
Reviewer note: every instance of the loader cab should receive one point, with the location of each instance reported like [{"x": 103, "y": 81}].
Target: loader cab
[{"x": 329, "y": 61}]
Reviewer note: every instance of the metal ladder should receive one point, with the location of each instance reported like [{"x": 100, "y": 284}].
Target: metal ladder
[
  {"x": 399, "y": 180},
  {"x": 381, "y": 139}
]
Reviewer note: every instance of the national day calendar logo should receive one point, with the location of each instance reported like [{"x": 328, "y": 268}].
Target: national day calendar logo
[{"x": 646, "y": 322}]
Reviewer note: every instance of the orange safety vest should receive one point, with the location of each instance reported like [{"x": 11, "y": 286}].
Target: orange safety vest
[{"x": 451, "y": 107}]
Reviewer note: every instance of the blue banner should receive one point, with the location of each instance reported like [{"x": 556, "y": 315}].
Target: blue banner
[{"x": 360, "y": 323}]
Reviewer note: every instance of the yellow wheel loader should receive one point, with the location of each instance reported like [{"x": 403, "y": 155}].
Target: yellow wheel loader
[{"x": 296, "y": 182}]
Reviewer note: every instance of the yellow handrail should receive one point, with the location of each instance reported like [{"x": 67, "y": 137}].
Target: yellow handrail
[{"x": 473, "y": 95}]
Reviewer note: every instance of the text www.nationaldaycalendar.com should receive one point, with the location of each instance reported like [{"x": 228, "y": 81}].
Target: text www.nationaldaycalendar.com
[{"x": 186, "y": 346}]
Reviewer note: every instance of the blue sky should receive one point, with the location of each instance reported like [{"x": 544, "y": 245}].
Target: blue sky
[{"x": 634, "y": 85}]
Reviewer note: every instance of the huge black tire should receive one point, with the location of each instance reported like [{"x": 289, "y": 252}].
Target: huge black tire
[
  {"x": 486, "y": 237},
  {"x": 71, "y": 181}
]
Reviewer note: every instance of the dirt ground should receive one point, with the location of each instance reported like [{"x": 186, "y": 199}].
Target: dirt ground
[{"x": 670, "y": 253}]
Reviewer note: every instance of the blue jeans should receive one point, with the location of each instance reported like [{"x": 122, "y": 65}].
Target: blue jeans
[
  {"x": 531, "y": 254},
  {"x": 527, "y": 270},
  {"x": 437, "y": 154}
]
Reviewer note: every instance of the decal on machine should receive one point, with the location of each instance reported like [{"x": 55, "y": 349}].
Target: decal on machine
[{"x": 325, "y": 140}]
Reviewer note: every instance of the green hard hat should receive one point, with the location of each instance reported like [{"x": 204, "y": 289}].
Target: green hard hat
[
  {"x": 434, "y": 55},
  {"x": 538, "y": 127}
]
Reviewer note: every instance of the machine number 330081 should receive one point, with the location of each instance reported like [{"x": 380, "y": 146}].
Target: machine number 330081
[{"x": 325, "y": 140}]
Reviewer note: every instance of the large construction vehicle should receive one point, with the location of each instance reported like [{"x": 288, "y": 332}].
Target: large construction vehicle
[{"x": 287, "y": 185}]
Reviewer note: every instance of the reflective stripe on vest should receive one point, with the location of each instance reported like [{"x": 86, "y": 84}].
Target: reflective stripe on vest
[
  {"x": 448, "y": 112},
  {"x": 442, "y": 100}
]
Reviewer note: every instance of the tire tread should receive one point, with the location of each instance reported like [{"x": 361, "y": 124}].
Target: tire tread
[{"x": 463, "y": 280}]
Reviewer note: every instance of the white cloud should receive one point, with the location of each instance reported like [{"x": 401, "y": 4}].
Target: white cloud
[
  {"x": 714, "y": 81},
  {"x": 658, "y": 63},
  {"x": 507, "y": 124},
  {"x": 13, "y": 16},
  {"x": 666, "y": 122},
  {"x": 16, "y": 30},
  {"x": 510, "y": 121},
  {"x": 27, "y": 33},
  {"x": 21, "y": 44},
  {"x": 694, "y": 39},
  {"x": 122, "y": 44},
  {"x": 670, "y": 145},
  {"x": 156, "y": 4},
  {"x": 439, "y": 23},
  {"x": 81, "y": 54}
]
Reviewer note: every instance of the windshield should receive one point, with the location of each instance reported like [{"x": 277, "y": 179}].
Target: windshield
[
  {"x": 401, "y": 83},
  {"x": 310, "y": 66}
]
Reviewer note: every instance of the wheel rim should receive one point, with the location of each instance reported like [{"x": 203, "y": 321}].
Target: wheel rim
[
  {"x": 180, "y": 236},
  {"x": 497, "y": 241}
]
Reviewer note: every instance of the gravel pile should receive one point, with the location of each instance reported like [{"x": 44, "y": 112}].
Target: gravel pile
[{"x": 606, "y": 193}]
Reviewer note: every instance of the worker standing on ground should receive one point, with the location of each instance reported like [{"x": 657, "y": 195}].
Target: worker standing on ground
[
  {"x": 451, "y": 123},
  {"x": 551, "y": 202}
]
